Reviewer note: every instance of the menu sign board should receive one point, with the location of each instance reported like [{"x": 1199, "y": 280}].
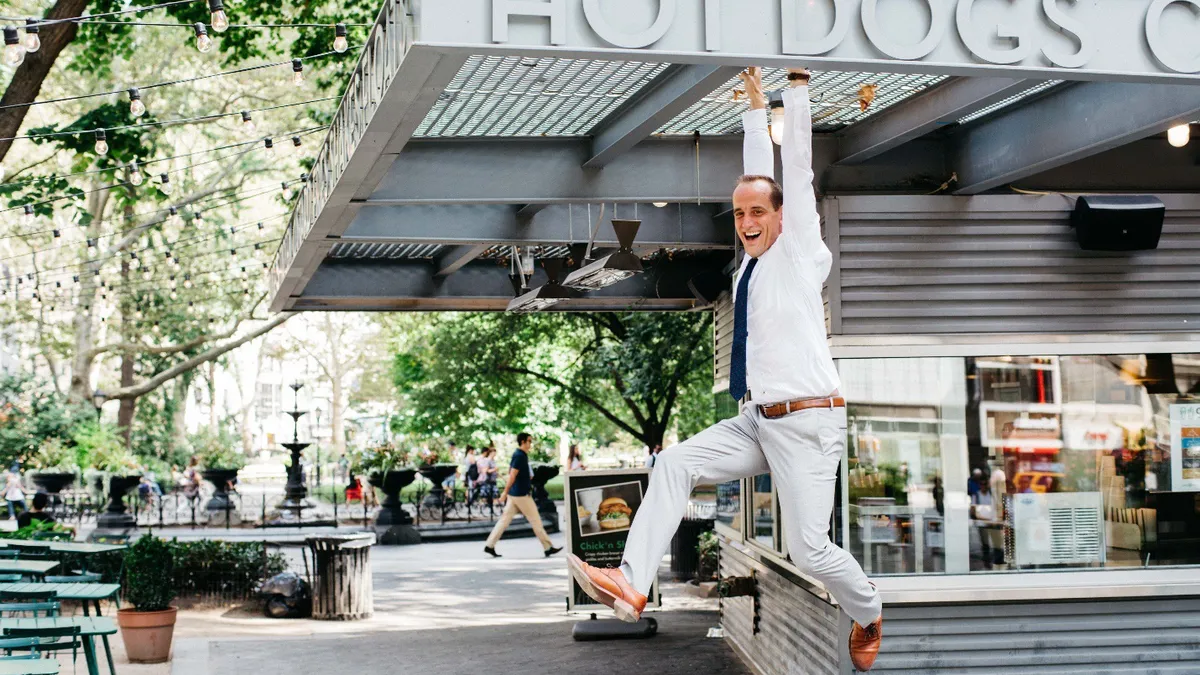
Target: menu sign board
[
  {"x": 601, "y": 506},
  {"x": 1185, "y": 448}
]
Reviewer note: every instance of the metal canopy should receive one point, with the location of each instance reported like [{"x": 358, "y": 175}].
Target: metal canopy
[{"x": 475, "y": 126}]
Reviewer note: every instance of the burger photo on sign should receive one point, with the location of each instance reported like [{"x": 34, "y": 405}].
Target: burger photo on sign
[{"x": 615, "y": 514}]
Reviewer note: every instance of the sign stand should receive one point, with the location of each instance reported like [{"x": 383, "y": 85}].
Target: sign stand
[{"x": 600, "y": 507}]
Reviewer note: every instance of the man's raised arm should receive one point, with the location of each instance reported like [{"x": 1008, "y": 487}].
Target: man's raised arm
[
  {"x": 801, "y": 223},
  {"x": 758, "y": 157}
]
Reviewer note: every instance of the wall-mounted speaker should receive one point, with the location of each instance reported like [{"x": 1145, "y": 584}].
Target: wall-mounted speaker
[{"x": 1118, "y": 222}]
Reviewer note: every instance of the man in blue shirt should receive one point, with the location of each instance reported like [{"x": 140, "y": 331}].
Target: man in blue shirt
[{"x": 519, "y": 487}]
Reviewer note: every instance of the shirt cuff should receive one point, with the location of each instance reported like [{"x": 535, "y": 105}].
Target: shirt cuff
[
  {"x": 754, "y": 119},
  {"x": 790, "y": 94}
]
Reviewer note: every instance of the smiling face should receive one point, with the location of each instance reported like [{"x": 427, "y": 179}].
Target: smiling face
[{"x": 756, "y": 217}]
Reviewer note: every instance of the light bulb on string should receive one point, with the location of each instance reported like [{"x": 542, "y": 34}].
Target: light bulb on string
[
  {"x": 340, "y": 44},
  {"x": 91, "y": 248},
  {"x": 135, "y": 175},
  {"x": 1179, "y": 136},
  {"x": 287, "y": 193},
  {"x": 136, "y": 107},
  {"x": 247, "y": 122},
  {"x": 14, "y": 51},
  {"x": 173, "y": 217},
  {"x": 146, "y": 274},
  {"x": 295, "y": 141},
  {"x": 164, "y": 184},
  {"x": 197, "y": 219},
  {"x": 57, "y": 233},
  {"x": 27, "y": 215},
  {"x": 32, "y": 41},
  {"x": 269, "y": 146},
  {"x": 297, "y": 72},
  {"x": 204, "y": 43},
  {"x": 187, "y": 281},
  {"x": 101, "y": 143},
  {"x": 219, "y": 21}
]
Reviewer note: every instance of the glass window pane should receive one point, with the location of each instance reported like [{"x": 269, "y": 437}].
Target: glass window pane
[{"x": 763, "y": 511}]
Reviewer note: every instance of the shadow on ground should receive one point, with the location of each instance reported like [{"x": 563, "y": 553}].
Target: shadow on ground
[{"x": 680, "y": 648}]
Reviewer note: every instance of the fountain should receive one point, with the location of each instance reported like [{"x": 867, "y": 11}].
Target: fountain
[{"x": 289, "y": 512}]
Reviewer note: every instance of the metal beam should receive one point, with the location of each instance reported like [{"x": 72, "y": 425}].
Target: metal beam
[
  {"x": 668, "y": 95},
  {"x": 482, "y": 286},
  {"x": 686, "y": 226},
  {"x": 662, "y": 169},
  {"x": 527, "y": 211},
  {"x": 454, "y": 259},
  {"x": 1066, "y": 126},
  {"x": 924, "y": 113}
]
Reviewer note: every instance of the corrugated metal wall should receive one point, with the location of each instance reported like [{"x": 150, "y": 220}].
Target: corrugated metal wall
[
  {"x": 803, "y": 634},
  {"x": 1002, "y": 264},
  {"x": 797, "y": 630}
]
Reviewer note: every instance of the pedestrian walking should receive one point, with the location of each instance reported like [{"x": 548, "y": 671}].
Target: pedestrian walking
[
  {"x": 14, "y": 492},
  {"x": 793, "y": 419},
  {"x": 517, "y": 494}
]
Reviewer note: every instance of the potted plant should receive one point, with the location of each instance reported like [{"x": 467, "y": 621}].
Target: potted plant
[
  {"x": 56, "y": 465},
  {"x": 148, "y": 627}
]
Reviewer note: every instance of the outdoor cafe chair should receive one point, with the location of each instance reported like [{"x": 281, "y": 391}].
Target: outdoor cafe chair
[
  {"x": 7, "y": 645},
  {"x": 9, "y": 553},
  {"x": 28, "y": 596},
  {"x": 10, "y": 578},
  {"x": 51, "y": 639},
  {"x": 81, "y": 578},
  {"x": 48, "y": 609}
]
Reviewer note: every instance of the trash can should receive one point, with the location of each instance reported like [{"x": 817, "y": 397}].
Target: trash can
[
  {"x": 341, "y": 583},
  {"x": 685, "y": 560}
]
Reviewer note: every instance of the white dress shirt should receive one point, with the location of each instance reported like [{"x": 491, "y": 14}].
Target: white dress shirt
[{"x": 787, "y": 353}]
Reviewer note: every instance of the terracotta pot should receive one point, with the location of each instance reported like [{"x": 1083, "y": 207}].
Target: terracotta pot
[{"x": 147, "y": 635}]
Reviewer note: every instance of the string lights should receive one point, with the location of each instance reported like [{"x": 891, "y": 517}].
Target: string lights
[
  {"x": 32, "y": 41},
  {"x": 340, "y": 44},
  {"x": 14, "y": 51},
  {"x": 220, "y": 22},
  {"x": 136, "y": 107},
  {"x": 297, "y": 72},
  {"x": 203, "y": 42},
  {"x": 247, "y": 122},
  {"x": 101, "y": 143}
]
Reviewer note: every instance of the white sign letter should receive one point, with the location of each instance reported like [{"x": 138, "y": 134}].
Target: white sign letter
[
  {"x": 712, "y": 25},
  {"x": 939, "y": 13},
  {"x": 979, "y": 44},
  {"x": 556, "y": 10},
  {"x": 1086, "y": 46},
  {"x": 595, "y": 18},
  {"x": 1162, "y": 51},
  {"x": 791, "y": 19}
]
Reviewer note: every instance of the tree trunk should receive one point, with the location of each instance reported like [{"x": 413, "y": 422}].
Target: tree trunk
[
  {"x": 212, "y": 397},
  {"x": 27, "y": 80},
  {"x": 338, "y": 413},
  {"x": 179, "y": 419},
  {"x": 128, "y": 405}
]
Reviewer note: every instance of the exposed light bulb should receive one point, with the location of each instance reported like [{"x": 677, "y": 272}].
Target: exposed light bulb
[
  {"x": 27, "y": 216},
  {"x": 101, "y": 143},
  {"x": 204, "y": 43},
  {"x": 247, "y": 122},
  {"x": 14, "y": 51},
  {"x": 187, "y": 281},
  {"x": 270, "y": 146},
  {"x": 135, "y": 176},
  {"x": 32, "y": 41},
  {"x": 198, "y": 219},
  {"x": 164, "y": 184},
  {"x": 136, "y": 107},
  {"x": 295, "y": 141},
  {"x": 173, "y": 217},
  {"x": 340, "y": 45},
  {"x": 287, "y": 192},
  {"x": 1179, "y": 136},
  {"x": 57, "y": 234},
  {"x": 146, "y": 274},
  {"x": 137, "y": 314},
  {"x": 220, "y": 22},
  {"x": 297, "y": 72}
]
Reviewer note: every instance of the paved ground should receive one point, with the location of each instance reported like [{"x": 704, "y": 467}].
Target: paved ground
[{"x": 449, "y": 608}]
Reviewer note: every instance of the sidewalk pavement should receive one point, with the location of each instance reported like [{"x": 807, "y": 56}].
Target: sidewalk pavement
[{"x": 448, "y": 608}]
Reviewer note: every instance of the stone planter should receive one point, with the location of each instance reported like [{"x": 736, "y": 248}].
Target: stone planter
[
  {"x": 219, "y": 508},
  {"x": 542, "y": 473},
  {"x": 147, "y": 635},
  {"x": 115, "y": 517},
  {"x": 52, "y": 482},
  {"x": 436, "y": 473},
  {"x": 394, "y": 526}
]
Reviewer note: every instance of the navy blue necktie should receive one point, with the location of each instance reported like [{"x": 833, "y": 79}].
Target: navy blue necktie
[{"x": 737, "y": 365}]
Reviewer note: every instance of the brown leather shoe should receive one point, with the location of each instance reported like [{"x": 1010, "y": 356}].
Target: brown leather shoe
[
  {"x": 864, "y": 644},
  {"x": 609, "y": 587}
]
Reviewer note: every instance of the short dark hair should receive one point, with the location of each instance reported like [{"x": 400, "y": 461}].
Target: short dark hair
[
  {"x": 776, "y": 190},
  {"x": 522, "y": 437},
  {"x": 40, "y": 500}
]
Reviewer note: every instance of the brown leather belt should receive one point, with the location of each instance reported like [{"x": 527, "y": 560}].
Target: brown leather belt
[{"x": 776, "y": 410}]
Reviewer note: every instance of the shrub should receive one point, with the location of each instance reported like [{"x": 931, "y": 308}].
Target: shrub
[
  {"x": 55, "y": 456},
  {"x": 149, "y": 574},
  {"x": 217, "y": 451}
]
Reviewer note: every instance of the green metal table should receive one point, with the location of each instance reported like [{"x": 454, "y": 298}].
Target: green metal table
[
  {"x": 90, "y": 627},
  {"x": 63, "y": 546},
  {"x": 84, "y": 593},
  {"x": 29, "y": 667},
  {"x": 37, "y": 568}
]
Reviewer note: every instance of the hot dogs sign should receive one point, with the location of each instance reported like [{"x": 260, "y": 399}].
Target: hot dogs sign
[{"x": 1149, "y": 40}]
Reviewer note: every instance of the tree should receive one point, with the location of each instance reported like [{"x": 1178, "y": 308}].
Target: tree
[
  {"x": 333, "y": 341},
  {"x": 592, "y": 373}
]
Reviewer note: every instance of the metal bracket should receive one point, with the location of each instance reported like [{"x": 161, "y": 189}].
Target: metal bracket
[{"x": 736, "y": 587}]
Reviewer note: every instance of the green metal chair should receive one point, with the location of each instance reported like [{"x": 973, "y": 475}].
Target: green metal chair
[
  {"x": 10, "y": 578},
  {"x": 81, "y": 578},
  {"x": 7, "y": 645},
  {"x": 28, "y": 596},
  {"x": 48, "y": 609},
  {"x": 9, "y": 553},
  {"x": 50, "y": 639}
]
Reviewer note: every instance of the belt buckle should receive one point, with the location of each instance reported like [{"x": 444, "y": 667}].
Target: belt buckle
[
  {"x": 787, "y": 406},
  {"x": 831, "y": 403}
]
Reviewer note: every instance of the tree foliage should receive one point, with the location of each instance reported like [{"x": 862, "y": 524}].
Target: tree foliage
[{"x": 595, "y": 375}]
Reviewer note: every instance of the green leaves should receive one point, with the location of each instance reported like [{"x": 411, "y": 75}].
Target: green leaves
[{"x": 150, "y": 574}]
